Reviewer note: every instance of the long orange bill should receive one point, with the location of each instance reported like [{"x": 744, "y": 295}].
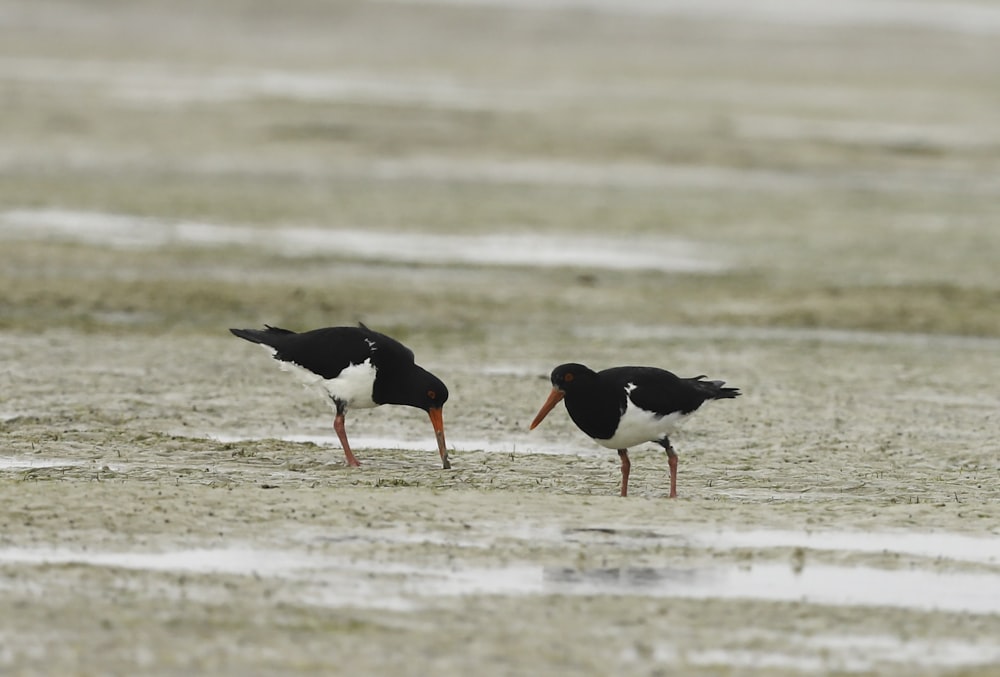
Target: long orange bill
[
  {"x": 554, "y": 398},
  {"x": 437, "y": 420}
]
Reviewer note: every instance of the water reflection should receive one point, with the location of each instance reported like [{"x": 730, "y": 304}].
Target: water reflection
[
  {"x": 336, "y": 581},
  {"x": 625, "y": 579},
  {"x": 917, "y": 589}
]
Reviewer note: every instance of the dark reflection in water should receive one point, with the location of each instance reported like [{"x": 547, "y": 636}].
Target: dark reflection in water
[
  {"x": 928, "y": 590},
  {"x": 609, "y": 579}
]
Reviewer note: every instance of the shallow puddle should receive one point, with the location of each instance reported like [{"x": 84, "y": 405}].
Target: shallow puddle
[
  {"x": 240, "y": 561},
  {"x": 815, "y": 584},
  {"x": 943, "y": 546},
  {"x": 519, "y": 249},
  {"x": 26, "y": 463},
  {"x": 399, "y": 584}
]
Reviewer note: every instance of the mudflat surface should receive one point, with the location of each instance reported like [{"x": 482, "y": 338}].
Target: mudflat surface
[{"x": 802, "y": 203}]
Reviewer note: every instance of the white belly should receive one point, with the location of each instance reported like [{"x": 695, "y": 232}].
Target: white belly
[
  {"x": 638, "y": 426},
  {"x": 352, "y": 386}
]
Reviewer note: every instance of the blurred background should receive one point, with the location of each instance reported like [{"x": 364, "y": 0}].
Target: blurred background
[
  {"x": 799, "y": 197},
  {"x": 475, "y": 165}
]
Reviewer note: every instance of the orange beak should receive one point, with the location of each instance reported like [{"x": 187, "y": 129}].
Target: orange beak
[
  {"x": 437, "y": 420},
  {"x": 554, "y": 398}
]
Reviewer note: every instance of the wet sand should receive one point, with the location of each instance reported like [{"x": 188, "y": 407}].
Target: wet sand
[
  {"x": 803, "y": 207},
  {"x": 166, "y": 526}
]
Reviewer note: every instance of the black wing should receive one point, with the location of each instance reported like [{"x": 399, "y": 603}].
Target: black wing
[
  {"x": 329, "y": 351},
  {"x": 264, "y": 336},
  {"x": 712, "y": 390},
  {"x": 663, "y": 392}
]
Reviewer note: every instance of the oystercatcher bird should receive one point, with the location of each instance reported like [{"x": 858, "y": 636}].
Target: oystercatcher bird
[
  {"x": 356, "y": 367},
  {"x": 625, "y": 406}
]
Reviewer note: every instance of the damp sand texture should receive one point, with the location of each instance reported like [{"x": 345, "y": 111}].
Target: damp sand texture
[{"x": 798, "y": 199}]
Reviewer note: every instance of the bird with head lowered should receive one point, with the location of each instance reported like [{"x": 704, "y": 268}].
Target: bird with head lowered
[{"x": 355, "y": 367}]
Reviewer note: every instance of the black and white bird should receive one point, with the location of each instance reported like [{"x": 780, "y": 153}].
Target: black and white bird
[
  {"x": 355, "y": 367},
  {"x": 625, "y": 406}
]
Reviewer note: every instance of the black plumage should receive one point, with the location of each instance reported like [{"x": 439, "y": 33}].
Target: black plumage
[
  {"x": 357, "y": 367},
  {"x": 621, "y": 407}
]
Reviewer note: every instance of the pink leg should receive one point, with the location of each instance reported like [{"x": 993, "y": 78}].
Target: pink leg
[
  {"x": 626, "y": 467},
  {"x": 672, "y": 462},
  {"x": 338, "y": 425}
]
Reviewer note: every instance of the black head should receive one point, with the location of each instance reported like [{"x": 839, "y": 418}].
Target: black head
[
  {"x": 431, "y": 392},
  {"x": 416, "y": 387},
  {"x": 565, "y": 377}
]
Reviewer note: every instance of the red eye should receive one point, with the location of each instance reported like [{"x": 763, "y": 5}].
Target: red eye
[
  {"x": 568, "y": 378},
  {"x": 431, "y": 394}
]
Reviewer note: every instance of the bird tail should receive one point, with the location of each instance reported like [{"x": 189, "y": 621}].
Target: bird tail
[
  {"x": 713, "y": 390},
  {"x": 265, "y": 336}
]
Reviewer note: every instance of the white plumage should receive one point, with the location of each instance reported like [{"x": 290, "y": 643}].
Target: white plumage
[
  {"x": 638, "y": 425},
  {"x": 352, "y": 386}
]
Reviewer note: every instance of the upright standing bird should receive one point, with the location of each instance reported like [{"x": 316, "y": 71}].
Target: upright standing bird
[
  {"x": 356, "y": 367},
  {"x": 625, "y": 406}
]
